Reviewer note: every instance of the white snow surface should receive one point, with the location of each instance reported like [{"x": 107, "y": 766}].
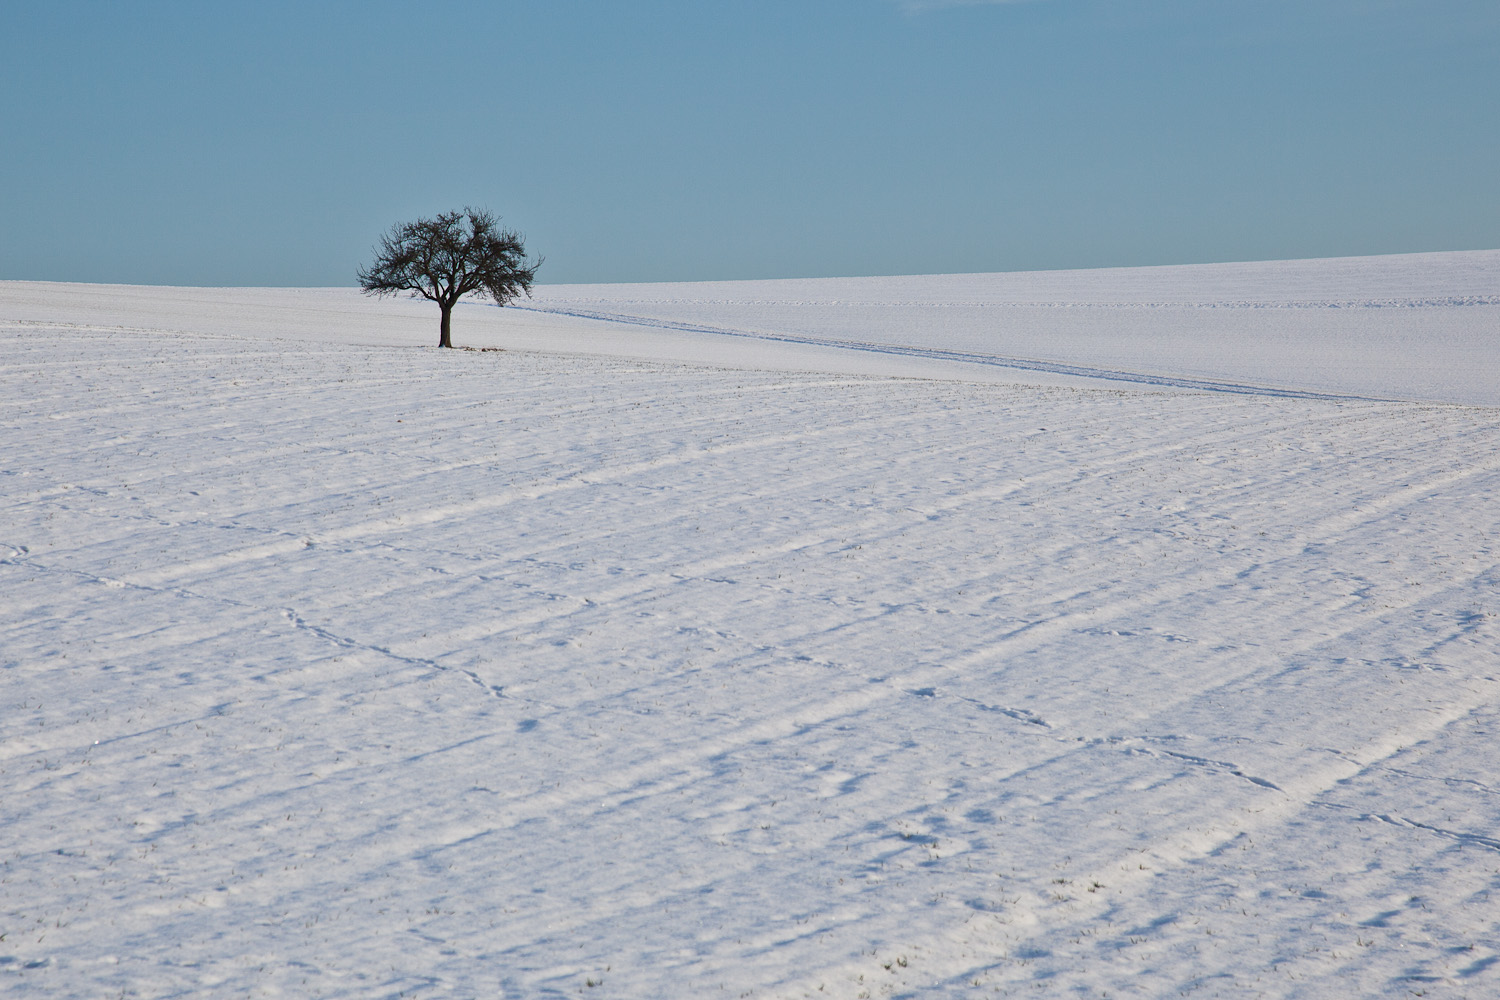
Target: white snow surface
[{"x": 1127, "y": 633}]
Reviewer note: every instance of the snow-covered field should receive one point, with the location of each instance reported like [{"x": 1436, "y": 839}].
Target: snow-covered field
[{"x": 1125, "y": 633}]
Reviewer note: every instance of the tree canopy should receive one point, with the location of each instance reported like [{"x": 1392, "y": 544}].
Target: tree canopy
[{"x": 446, "y": 258}]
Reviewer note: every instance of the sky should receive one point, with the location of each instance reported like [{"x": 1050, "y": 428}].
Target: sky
[{"x": 674, "y": 140}]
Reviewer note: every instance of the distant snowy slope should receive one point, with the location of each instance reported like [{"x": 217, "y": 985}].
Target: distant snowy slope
[{"x": 1414, "y": 326}]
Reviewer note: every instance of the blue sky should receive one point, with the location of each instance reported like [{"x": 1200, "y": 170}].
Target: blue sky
[{"x": 271, "y": 143}]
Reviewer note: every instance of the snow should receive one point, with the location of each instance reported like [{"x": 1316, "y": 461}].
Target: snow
[{"x": 1127, "y": 632}]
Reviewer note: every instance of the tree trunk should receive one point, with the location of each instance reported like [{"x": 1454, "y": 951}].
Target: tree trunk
[{"x": 443, "y": 340}]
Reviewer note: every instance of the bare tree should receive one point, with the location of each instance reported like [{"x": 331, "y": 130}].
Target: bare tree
[{"x": 446, "y": 258}]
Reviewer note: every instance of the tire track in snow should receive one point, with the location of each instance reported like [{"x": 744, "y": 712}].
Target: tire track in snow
[
  {"x": 1458, "y": 835},
  {"x": 1161, "y": 381}
]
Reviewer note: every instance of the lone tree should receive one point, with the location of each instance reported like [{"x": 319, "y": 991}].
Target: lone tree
[{"x": 446, "y": 258}]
